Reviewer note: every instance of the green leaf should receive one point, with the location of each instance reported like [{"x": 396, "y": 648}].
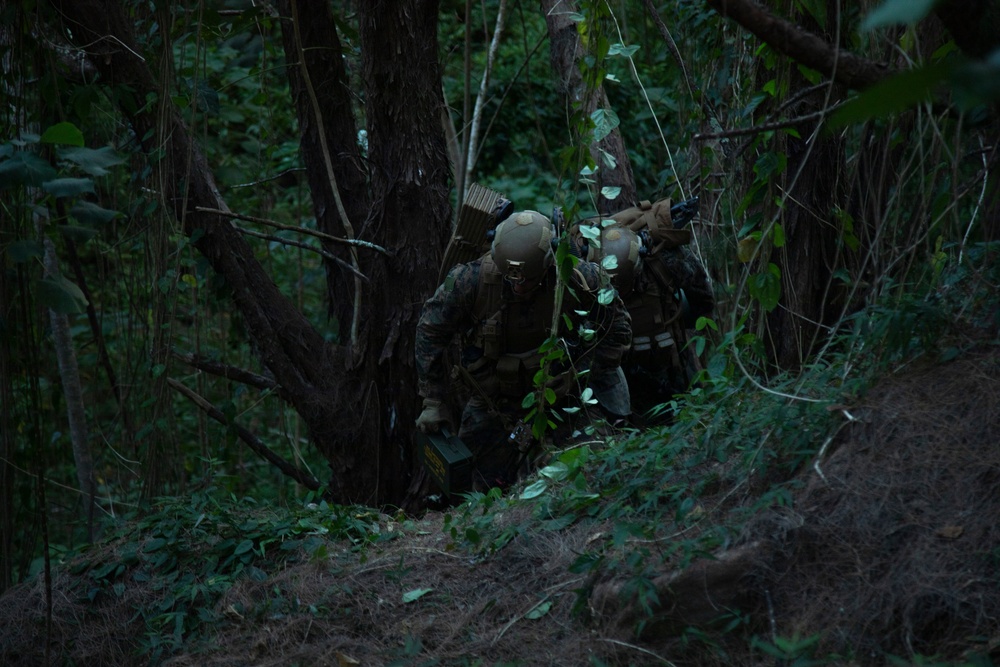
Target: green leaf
[
  {"x": 415, "y": 594},
  {"x": 94, "y": 161},
  {"x": 25, "y": 169},
  {"x": 605, "y": 122},
  {"x": 766, "y": 287},
  {"x": 622, "y": 50},
  {"x": 539, "y": 610},
  {"x": 897, "y": 93},
  {"x": 60, "y": 295},
  {"x": 892, "y": 12},
  {"x": 92, "y": 214},
  {"x": 778, "y": 235},
  {"x": 155, "y": 544},
  {"x": 611, "y": 192},
  {"x": 22, "y": 251},
  {"x": 243, "y": 547},
  {"x": 558, "y": 471},
  {"x": 68, "y": 187},
  {"x": 63, "y": 133},
  {"x": 534, "y": 489}
]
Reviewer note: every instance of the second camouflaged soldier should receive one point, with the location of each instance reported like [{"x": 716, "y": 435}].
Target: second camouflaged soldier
[
  {"x": 501, "y": 308},
  {"x": 665, "y": 290}
]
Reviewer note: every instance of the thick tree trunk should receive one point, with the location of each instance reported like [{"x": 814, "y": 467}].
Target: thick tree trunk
[
  {"x": 565, "y": 54},
  {"x": 410, "y": 174}
]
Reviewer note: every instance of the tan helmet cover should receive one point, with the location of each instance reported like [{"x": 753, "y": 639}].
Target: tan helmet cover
[
  {"x": 522, "y": 246},
  {"x": 623, "y": 244}
]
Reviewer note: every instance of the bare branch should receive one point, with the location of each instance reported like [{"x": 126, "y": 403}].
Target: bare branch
[
  {"x": 293, "y": 228},
  {"x": 304, "y": 246},
  {"x": 219, "y": 369},
  {"x": 252, "y": 441}
]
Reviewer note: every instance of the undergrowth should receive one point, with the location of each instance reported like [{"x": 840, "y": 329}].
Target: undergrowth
[{"x": 189, "y": 551}]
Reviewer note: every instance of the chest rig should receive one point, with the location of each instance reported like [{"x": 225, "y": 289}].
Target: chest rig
[
  {"x": 510, "y": 331},
  {"x": 656, "y": 328}
]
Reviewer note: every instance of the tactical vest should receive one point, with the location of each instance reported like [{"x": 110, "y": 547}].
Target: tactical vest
[
  {"x": 511, "y": 331},
  {"x": 656, "y": 328}
]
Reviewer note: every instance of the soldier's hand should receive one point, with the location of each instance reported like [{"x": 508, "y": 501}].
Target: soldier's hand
[{"x": 434, "y": 416}]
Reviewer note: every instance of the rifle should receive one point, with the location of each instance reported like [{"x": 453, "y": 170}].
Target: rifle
[{"x": 681, "y": 213}]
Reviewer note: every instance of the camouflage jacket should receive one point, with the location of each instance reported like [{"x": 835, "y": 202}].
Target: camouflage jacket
[{"x": 454, "y": 310}]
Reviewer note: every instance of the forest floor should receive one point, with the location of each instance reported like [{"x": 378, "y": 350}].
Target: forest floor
[{"x": 891, "y": 547}]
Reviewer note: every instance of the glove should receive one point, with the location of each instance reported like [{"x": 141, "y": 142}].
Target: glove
[{"x": 434, "y": 416}]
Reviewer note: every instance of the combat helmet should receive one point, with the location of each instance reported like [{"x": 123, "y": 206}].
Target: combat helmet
[
  {"x": 522, "y": 247},
  {"x": 626, "y": 247}
]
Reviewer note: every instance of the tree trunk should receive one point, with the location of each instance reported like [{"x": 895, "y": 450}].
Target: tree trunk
[
  {"x": 565, "y": 54},
  {"x": 410, "y": 174},
  {"x": 69, "y": 375}
]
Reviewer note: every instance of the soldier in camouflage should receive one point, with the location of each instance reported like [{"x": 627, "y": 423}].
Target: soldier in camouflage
[
  {"x": 665, "y": 290},
  {"x": 500, "y": 307}
]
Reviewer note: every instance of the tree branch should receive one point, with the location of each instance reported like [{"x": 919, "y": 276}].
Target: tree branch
[
  {"x": 234, "y": 373},
  {"x": 252, "y": 441},
  {"x": 803, "y": 46}
]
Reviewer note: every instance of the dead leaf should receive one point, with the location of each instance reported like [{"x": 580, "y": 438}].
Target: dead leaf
[{"x": 950, "y": 532}]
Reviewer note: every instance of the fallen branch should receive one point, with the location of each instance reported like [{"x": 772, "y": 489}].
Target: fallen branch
[{"x": 252, "y": 441}]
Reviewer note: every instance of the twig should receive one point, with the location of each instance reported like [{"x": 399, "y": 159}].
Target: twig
[
  {"x": 252, "y": 441},
  {"x": 304, "y": 246},
  {"x": 777, "y": 125},
  {"x": 294, "y": 228},
  {"x": 618, "y": 642}
]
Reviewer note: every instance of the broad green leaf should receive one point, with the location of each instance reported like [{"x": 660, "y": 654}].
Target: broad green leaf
[
  {"x": 534, "y": 489},
  {"x": 605, "y": 122},
  {"x": 415, "y": 594},
  {"x": 243, "y": 547},
  {"x": 778, "y": 235},
  {"x": 68, "y": 187},
  {"x": 22, "y": 251},
  {"x": 609, "y": 262},
  {"x": 590, "y": 232},
  {"x": 556, "y": 472},
  {"x": 63, "y": 133},
  {"x": 60, "y": 295},
  {"x": 611, "y": 192},
  {"x": 606, "y": 296},
  {"x": 766, "y": 287},
  {"x": 539, "y": 610},
  {"x": 892, "y": 12},
  {"x": 897, "y": 93},
  {"x": 94, "y": 161},
  {"x": 25, "y": 168},
  {"x": 92, "y": 214},
  {"x": 622, "y": 50}
]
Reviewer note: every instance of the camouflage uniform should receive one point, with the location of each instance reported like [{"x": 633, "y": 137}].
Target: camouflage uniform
[
  {"x": 499, "y": 353},
  {"x": 659, "y": 364}
]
